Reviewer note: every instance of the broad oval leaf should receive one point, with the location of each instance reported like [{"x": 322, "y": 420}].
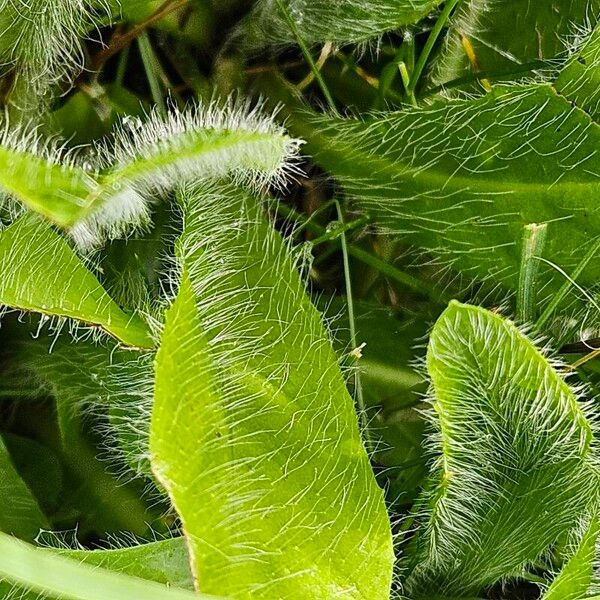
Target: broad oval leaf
[
  {"x": 516, "y": 464},
  {"x": 253, "y": 433},
  {"x": 330, "y": 20},
  {"x": 460, "y": 179},
  {"x": 39, "y": 272}
]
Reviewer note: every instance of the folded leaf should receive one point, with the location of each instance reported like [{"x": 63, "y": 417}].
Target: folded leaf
[
  {"x": 20, "y": 514},
  {"x": 39, "y": 272},
  {"x": 460, "y": 179},
  {"x": 579, "y": 81},
  {"x": 253, "y": 433},
  {"x": 515, "y": 462},
  {"x": 575, "y": 578},
  {"x": 327, "y": 20},
  {"x": 52, "y": 576},
  {"x": 105, "y": 192}
]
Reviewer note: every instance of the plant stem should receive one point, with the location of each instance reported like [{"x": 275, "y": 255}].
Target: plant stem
[
  {"x": 566, "y": 286},
  {"x": 360, "y": 400},
  {"x": 149, "y": 61},
  {"x": 307, "y": 55},
  {"x": 534, "y": 239},
  {"x": 429, "y": 44},
  {"x": 123, "y": 40}
]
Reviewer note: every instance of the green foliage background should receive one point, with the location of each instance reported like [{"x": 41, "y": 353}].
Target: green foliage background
[{"x": 299, "y": 299}]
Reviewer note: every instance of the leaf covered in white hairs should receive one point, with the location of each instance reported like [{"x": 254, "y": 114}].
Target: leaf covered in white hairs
[
  {"x": 516, "y": 464},
  {"x": 253, "y": 432},
  {"x": 106, "y": 191},
  {"x": 461, "y": 179},
  {"x": 330, "y": 20},
  {"x": 41, "y": 39}
]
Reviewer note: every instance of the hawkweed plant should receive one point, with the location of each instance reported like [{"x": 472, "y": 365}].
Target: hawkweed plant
[{"x": 299, "y": 299}]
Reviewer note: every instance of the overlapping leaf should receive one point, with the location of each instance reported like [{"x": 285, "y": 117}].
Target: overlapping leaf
[
  {"x": 49, "y": 575},
  {"x": 574, "y": 580},
  {"x": 462, "y": 178},
  {"x": 507, "y": 34},
  {"x": 326, "y": 20},
  {"x": 253, "y": 433},
  {"x": 105, "y": 192},
  {"x": 516, "y": 463},
  {"x": 39, "y": 272}
]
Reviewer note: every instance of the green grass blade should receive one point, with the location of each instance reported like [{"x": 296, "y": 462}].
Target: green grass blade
[
  {"x": 253, "y": 432},
  {"x": 575, "y": 578},
  {"x": 514, "y": 454},
  {"x": 20, "y": 514},
  {"x": 39, "y": 272},
  {"x": 323, "y": 20},
  {"x": 54, "y": 576}
]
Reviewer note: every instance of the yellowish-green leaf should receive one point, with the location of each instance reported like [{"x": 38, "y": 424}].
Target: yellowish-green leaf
[
  {"x": 253, "y": 433},
  {"x": 574, "y": 580},
  {"x": 39, "y": 272}
]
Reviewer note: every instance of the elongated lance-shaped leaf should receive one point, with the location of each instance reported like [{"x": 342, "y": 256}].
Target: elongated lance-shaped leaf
[
  {"x": 105, "y": 193},
  {"x": 253, "y": 432},
  {"x": 20, "y": 514},
  {"x": 165, "y": 562},
  {"x": 574, "y": 580},
  {"x": 501, "y": 40},
  {"x": 52, "y": 576},
  {"x": 461, "y": 179},
  {"x": 330, "y": 20},
  {"x": 516, "y": 465},
  {"x": 580, "y": 79},
  {"x": 39, "y": 272}
]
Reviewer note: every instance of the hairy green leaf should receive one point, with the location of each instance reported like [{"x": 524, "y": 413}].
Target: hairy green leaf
[
  {"x": 573, "y": 581},
  {"x": 506, "y": 34},
  {"x": 253, "y": 433},
  {"x": 39, "y": 272},
  {"x": 42, "y": 41},
  {"x": 580, "y": 79},
  {"x": 515, "y": 461},
  {"x": 331, "y": 20},
  {"x": 165, "y": 561},
  {"x": 20, "y": 514},
  {"x": 53, "y": 576},
  {"x": 460, "y": 179}
]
